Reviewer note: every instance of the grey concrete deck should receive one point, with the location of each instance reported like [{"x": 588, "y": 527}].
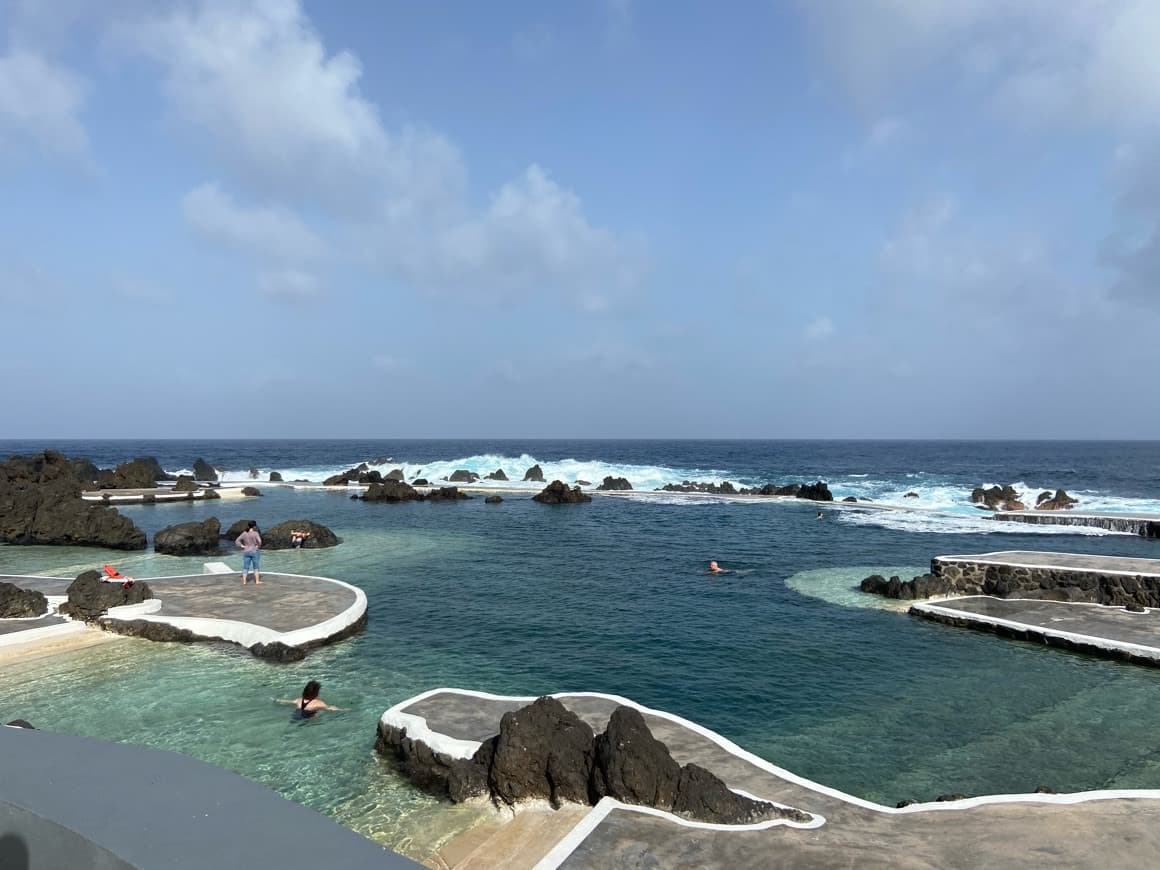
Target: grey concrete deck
[
  {"x": 1066, "y": 561},
  {"x": 154, "y": 809},
  {"x": 1099, "y": 829},
  {"x": 12, "y": 626},
  {"x": 1091, "y": 628},
  {"x": 1145, "y": 525},
  {"x": 296, "y": 610}
]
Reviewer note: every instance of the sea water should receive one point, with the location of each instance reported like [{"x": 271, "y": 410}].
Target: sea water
[{"x": 781, "y": 655}]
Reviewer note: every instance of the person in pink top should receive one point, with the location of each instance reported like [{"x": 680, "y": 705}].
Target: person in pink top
[{"x": 250, "y": 542}]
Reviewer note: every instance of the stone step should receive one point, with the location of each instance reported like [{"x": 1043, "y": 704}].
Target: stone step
[{"x": 522, "y": 842}]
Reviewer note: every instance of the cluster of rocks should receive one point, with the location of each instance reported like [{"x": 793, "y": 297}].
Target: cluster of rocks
[
  {"x": 546, "y": 752},
  {"x": 924, "y": 586},
  {"x": 89, "y": 596},
  {"x": 558, "y": 492},
  {"x": 959, "y": 796},
  {"x": 40, "y": 503},
  {"x": 144, "y": 472},
  {"x": 818, "y": 491},
  {"x": 1007, "y": 498},
  {"x": 397, "y": 491},
  {"x": 18, "y": 603},
  {"x": 205, "y": 538},
  {"x": 615, "y": 484},
  {"x": 363, "y": 474}
]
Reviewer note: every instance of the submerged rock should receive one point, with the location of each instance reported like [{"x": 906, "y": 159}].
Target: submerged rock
[
  {"x": 557, "y": 492},
  {"x": 493, "y": 499},
  {"x": 445, "y": 493},
  {"x": 251, "y": 491}
]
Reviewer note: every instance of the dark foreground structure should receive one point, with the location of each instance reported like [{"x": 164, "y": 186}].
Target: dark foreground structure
[{"x": 74, "y": 802}]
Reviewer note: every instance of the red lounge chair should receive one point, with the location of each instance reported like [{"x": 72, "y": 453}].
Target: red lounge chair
[{"x": 112, "y": 575}]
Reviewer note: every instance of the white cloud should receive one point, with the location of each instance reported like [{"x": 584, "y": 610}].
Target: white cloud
[
  {"x": 40, "y": 103},
  {"x": 294, "y": 128},
  {"x": 272, "y": 231},
  {"x": 289, "y": 285},
  {"x": 819, "y": 329}
]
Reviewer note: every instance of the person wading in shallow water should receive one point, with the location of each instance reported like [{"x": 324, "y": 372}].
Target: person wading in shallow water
[
  {"x": 309, "y": 704},
  {"x": 250, "y": 542}
]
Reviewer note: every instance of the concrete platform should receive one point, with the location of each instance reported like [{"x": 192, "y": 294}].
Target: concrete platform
[
  {"x": 1111, "y": 632},
  {"x": 293, "y": 610},
  {"x": 1145, "y": 525},
  {"x": 1095, "y": 564},
  {"x": 1091, "y": 829},
  {"x": 74, "y": 802}
]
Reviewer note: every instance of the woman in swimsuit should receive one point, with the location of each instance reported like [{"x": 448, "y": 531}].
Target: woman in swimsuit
[{"x": 309, "y": 704}]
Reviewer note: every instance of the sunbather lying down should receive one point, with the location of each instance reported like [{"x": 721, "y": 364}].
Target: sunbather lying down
[{"x": 112, "y": 575}]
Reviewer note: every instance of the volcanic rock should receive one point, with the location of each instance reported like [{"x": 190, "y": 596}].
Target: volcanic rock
[
  {"x": 850, "y": 499},
  {"x": 493, "y": 499},
  {"x": 21, "y": 723},
  {"x": 278, "y": 537},
  {"x": 391, "y": 490},
  {"x": 815, "y": 492},
  {"x": 202, "y": 470},
  {"x": 557, "y": 492},
  {"x": 394, "y": 474},
  {"x": 40, "y": 503},
  {"x": 251, "y": 491},
  {"x": 497, "y": 475},
  {"x": 140, "y": 473},
  {"x": 420, "y": 481},
  {"x": 89, "y": 596},
  {"x": 996, "y": 498},
  {"x": 189, "y": 539},
  {"x": 462, "y": 475},
  {"x": 615, "y": 484},
  {"x": 534, "y": 473},
  {"x": 445, "y": 493},
  {"x": 275, "y": 477},
  {"x": 911, "y": 495},
  {"x": 184, "y": 484},
  {"x": 17, "y": 603},
  {"x": 703, "y": 796},
  {"x": 633, "y": 766},
  {"x": 1060, "y": 501},
  {"x": 543, "y": 751}
]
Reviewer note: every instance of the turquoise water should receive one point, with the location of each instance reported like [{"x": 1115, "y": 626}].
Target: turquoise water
[{"x": 781, "y": 655}]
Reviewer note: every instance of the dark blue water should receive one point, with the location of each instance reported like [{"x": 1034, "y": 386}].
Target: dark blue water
[{"x": 611, "y": 596}]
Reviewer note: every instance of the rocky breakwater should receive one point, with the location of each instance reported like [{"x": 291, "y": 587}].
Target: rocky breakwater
[
  {"x": 278, "y": 537},
  {"x": 17, "y": 603},
  {"x": 89, "y": 596},
  {"x": 819, "y": 491},
  {"x": 558, "y": 492},
  {"x": 1007, "y": 498},
  {"x": 544, "y": 751},
  {"x": 395, "y": 491},
  {"x": 190, "y": 539},
  {"x": 954, "y": 577},
  {"x": 40, "y": 503}
]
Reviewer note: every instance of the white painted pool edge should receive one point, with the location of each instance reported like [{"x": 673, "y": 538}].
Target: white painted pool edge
[
  {"x": 981, "y": 559},
  {"x": 1141, "y": 650}
]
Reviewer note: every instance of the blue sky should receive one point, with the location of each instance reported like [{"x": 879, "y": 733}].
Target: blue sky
[{"x": 634, "y": 218}]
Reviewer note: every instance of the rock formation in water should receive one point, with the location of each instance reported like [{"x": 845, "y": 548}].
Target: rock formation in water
[
  {"x": 393, "y": 474},
  {"x": 535, "y": 473},
  {"x": 558, "y": 492},
  {"x": 185, "y": 483},
  {"x": 251, "y": 491},
  {"x": 140, "y": 473},
  {"x": 493, "y": 499},
  {"x": 1060, "y": 501},
  {"x": 396, "y": 491},
  {"x": 498, "y": 474},
  {"x": 89, "y": 596},
  {"x": 278, "y": 537},
  {"x": 445, "y": 493},
  {"x": 17, "y": 603},
  {"x": 190, "y": 539},
  {"x": 462, "y": 475},
  {"x": 40, "y": 503},
  {"x": 615, "y": 484},
  {"x": 545, "y": 751},
  {"x": 202, "y": 470},
  {"x": 275, "y": 477},
  {"x": 997, "y": 498}
]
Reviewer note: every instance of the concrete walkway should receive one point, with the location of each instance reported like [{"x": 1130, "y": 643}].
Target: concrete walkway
[
  {"x": 1092, "y": 829},
  {"x": 1096, "y": 564},
  {"x": 153, "y": 809},
  {"x": 291, "y": 609}
]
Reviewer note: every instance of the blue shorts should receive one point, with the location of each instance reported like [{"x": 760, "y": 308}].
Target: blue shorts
[{"x": 250, "y": 560}]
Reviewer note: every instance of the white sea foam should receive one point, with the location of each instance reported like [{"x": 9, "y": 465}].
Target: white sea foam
[{"x": 931, "y": 522}]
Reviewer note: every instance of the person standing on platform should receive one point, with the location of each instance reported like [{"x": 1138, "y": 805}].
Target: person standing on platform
[{"x": 250, "y": 542}]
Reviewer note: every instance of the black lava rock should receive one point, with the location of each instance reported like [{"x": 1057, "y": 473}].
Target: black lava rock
[{"x": 190, "y": 539}]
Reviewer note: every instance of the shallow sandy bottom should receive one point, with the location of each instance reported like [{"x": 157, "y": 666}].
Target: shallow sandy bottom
[{"x": 31, "y": 650}]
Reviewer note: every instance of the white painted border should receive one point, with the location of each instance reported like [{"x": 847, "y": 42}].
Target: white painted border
[
  {"x": 1105, "y": 643},
  {"x": 46, "y": 632}
]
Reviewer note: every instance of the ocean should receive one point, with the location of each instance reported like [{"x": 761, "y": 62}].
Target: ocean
[{"x": 782, "y": 655}]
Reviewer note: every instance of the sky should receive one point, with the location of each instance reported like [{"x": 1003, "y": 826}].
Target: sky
[{"x": 615, "y": 218}]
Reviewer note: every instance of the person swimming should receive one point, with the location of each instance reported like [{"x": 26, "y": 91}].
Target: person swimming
[
  {"x": 714, "y": 568},
  {"x": 820, "y": 517},
  {"x": 309, "y": 704}
]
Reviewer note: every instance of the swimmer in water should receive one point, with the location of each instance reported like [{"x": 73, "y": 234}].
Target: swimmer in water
[
  {"x": 820, "y": 517},
  {"x": 306, "y": 706},
  {"x": 714, "y": 568}
]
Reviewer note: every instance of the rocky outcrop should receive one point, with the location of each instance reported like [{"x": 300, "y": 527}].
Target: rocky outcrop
[
  {"x": 815, "y": 492},
  {"x": 535, "y": 473},
  {"x": 723, "y": 488},
  {"x": 392, "y": 491},
  {"x": 997, "y": 498},
  {"x": 394, "y": 474},
  {"x": 926, "y": 586},
  {"x": 557, "y": 492},
  {"x": 420, "y": 481},
  {"x": 202, "y": 470},
  {"x": 235, "y": 529},
  {"x": 493, "y": 499},
  {"x": 462, "y": 475},
  {"x": 275, "y": 477},
  {"x": 545, "y": 751},
  {"x": 140, "y": 473},
  {"x": 851, "y": 499},
  {"x": 17, "y": 603},
  {"x": 184, "y": 484},
  {"x": 278, "y": 537},
  {"x": 911, "y": 495},
  {"x": 190, "y": 539},
  {"x": 498, "y": 474},
  {"x": 251, "y": 491},
  {"x": 89, "y": 596},
  {"x": 445, "y": 493},
  {"x": 615, "y": 484},
  {"x": 1060, "y": 501},
  {"x": 40, "y": 503},
  {"x": 20, "y": 723}
]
